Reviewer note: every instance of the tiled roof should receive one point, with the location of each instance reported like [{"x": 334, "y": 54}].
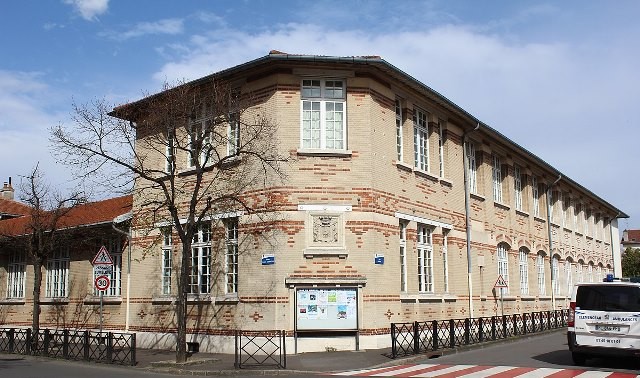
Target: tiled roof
[
  {"x": 633, "y": 237},
  {"x": 15, "y": 208},
  {"x": 84, "y": 215}
]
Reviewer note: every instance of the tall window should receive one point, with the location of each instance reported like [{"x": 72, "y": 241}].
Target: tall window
[
  {"x": 231, "y": 257},
  {"x": 233, "y": 134},
  {"x": 590, "y": 272},
  {"x": 555, "y": 279},
  {"x": 587, "y": 216},
  {"x": 170, "y": 154},
  {"x": 552, "y": 202},
  {"x": 16, "y": 273},
  {"x": 399, "y": 147},
  {"x": 566, "y": 207},
  {"x": 441, "y": 146},
  {"x": 421, "y": 140},
  {"x": 57, "y": 280},
  {"x": 497, "y": 179},
  {"x": 323, "y": 114},
  {"x": 580, "y": 271},
  {"x": 523, "y": 258},
  {"x": 503, "y": 265},
  {"x": 535, "y": 194},
  {"x": 569, "y": 275},
  {"x": 199, "y": 141},
  {"x": 403, "y": 256},
  {"x": 425, "y": 259},
  {"x": 596, "y": 223},
  {"x": 200, "y": 276},
  {"x": 472, "y": 169},
  {"x": 517, "y": 187},
  {"x": 114, "y": 246},
  {"x": 445, "y": 260},
  {"x": 540, "y": 265},
  {"x": 167, "y": 266},
  {"x": 577, "y": 208}
]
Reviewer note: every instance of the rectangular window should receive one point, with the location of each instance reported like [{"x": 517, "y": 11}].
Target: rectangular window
[
  {"x": 524, "y": 271},
  {"x": 199, "y": 142},
  {"x": 497, "y": 179},
  {"x": 552, "y": 203},
  {"x": 425, "y": 259},
  {"x": 399, "y": 147},
  {"x": 541, "y": 283},
  {"x": 57, "y": 279},
  {"x": 403, "y": 256},
  {"x": 472, "y": 169},
  {"x": 590, "y": 272},
  {"x": 421, "y": 140},
  {"x": 569, "y": 276},
  {"x": 503, "y": 267},
  {"x": 170, "y": 154},
  {"x": 323, "y": 114},
  {"x": 555, "y": 278},
  {"x": 167, "y": 257},
  {"x": 445, "y": 261},
  {"x": 577, "y": 208},
  {"x": 200, "y": 277},
  {"x": 441, "y": 145},
  {"x": 16, "y": 273},
  {"x": 579, "y": 272},
  {"x": 114, "y": 247},
  {"x": 535, "y": 196},
  {"x": 233, "y": 135},
  {"x": 231, "y": 256},
  {"x": 517, "y": 187}
]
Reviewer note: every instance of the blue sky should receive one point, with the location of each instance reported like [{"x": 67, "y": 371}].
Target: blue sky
[{"x": 559, "y": 78}]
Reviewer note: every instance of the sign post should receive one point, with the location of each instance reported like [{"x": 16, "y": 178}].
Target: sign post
[
  {"x": 501, "y": 284},
  {"x": 102, "y": 270}
]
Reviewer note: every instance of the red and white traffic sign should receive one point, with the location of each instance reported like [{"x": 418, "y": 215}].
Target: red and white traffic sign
[
  {"x": 102, "y": 257},
  {"x": 102, "y": 283},
  {"x": 501, "y": 283}
]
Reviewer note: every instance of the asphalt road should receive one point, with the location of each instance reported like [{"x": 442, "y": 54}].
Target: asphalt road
[{"x": 542, "y": 351}]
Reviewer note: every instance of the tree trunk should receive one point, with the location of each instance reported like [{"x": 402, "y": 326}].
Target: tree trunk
[
  {"x": 37, "y": 280},
  {"x": 181, "y": 303}
]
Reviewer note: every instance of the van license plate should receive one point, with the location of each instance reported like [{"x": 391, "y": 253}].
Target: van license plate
[{"x": 608, "y": 328}]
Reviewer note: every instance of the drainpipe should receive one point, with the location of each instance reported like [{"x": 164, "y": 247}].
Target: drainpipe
[
  {"x": 467, "y": 212},
  {"x": 120, "y": 219},
  {"x": 553, "y": 293}
]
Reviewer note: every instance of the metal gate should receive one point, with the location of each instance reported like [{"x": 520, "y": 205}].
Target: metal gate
[{"x": 260, "y": 348}]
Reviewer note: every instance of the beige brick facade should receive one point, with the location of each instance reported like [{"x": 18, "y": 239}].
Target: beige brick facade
[{"x": 339, "y": 208}]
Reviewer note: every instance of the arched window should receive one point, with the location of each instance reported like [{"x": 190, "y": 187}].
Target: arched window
[
  {"x": 523, "y": 263},
  {"x": 540, "y": 268},
  {"x": 555, "y": 279},
  {"x": 503, "y": 265},
  {"x": 568, "y": 274}
]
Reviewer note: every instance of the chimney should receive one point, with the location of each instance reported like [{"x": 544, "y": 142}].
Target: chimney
[{"x": 7, "y": 191}]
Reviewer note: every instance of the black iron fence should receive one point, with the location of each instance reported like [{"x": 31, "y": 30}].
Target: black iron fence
[
  {"x": 260, "y": 348},
  {"x": 422, "y": 337},
  {"x": 70, "y": 344}
]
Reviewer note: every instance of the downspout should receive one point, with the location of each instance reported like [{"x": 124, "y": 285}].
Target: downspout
[
  {"x": 467, "y": 213},
  {"x": 128, "y": 300},
  {"x": 553, "y": 293}
]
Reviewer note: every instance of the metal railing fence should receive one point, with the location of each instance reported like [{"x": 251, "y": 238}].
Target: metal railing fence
[{"x": 260, "y": 348}]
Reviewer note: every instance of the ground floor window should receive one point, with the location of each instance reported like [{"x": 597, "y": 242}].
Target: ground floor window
[
  {"x": 16, "y": 273},
  {"x": 57, "y": 278}
]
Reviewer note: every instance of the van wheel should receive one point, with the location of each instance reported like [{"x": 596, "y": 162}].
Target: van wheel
[{"x": 578, "y": 358}]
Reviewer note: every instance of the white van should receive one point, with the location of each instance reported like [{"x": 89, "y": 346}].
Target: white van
[{"x": 604, "y": 320}]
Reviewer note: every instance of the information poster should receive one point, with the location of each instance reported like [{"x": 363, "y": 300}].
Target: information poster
[{"x": 327, "y": 309}]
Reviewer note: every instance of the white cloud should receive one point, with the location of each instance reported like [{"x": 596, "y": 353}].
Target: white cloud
[
  {"x": 89, "y": 9},
  {"x": 169, "y": 26}
]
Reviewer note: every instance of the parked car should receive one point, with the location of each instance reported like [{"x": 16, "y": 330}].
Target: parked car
[{"x": 604, "y": 320}]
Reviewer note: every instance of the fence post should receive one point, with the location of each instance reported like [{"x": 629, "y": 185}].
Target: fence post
[
  {"x": 394, "y": 350},
  {"x": 548, "y": 319},
  {"x": 133, "y": 349},
  {"x": 480, "y": 330},
  {"x": 493, "y": 328},
  {"x": 452, "y": 334},
  {"x": 524, "y": 323},
  {"x": 110, "y": 347},
  {"x": 284, "y": 348},
  {"x": 85, "y": 340},
  {"x": 12, "y": 339},
  {"x": 28, "y": 347},
  {"x": 236, "y": 363},
  {"x": 467, "y": 330},
  {"x": 65, "y": 344},
  {"x": 434, "y": 333},
  {"x": 504, "y": 326},
  {"x": 416, "y": 338},
  {"x": 45, "y": 347}
]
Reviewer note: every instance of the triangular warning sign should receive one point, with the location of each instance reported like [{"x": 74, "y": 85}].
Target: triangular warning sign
[
  {"x": 501, "y": 282},
  {"x": 102, "y": 257}
]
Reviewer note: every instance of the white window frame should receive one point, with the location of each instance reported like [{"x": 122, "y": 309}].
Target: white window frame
[
  {"x": 496, "y": 174},
  {"x": 590, "y": 272},
  {"x": 199, "y": 127},
  {"x": 16, "y": 275},
  {"x": 535, "y": 194},
  {"x": 421, "y": 139},
  {"x": 231, "y": 255},
  {"x": 200, "y": 275},
  {"x": 555, "y": 275},
  {"x": 517, "y": 187},
  {"x": 503, "y": 266},
  {"x": 170, "y": 155},
  {"x": 523, "y": 264},
  {"x": 315, "y": 102},
  {"x": 472, "y": 168},
  {"x": 441, "y": 146},
  {"x": 425, "y": 258},
  {"x": 569, "y": 276},
  {"x": 233, "y": 134},
  {"x": 542, "y": 290},
  {"x": 445, "y": 259},
  {"x": 166, "y": 269},
  {"x": 399, "y": 135},
  {"x": 580, "y": 272},
  {"x": 403, "y": 255},
  {"x": 57, "y": 277},
  {"x": 114, "y": 246}
]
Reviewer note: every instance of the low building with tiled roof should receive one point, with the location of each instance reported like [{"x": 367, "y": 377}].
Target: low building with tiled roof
[
  {"x": 9, "y": 207},
  {"x": 630, "y": 239}
]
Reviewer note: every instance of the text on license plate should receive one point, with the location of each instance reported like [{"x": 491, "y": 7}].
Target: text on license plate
[{"x": 608, "y": 328}]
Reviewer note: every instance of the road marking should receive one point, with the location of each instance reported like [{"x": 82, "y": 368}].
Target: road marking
[{"x": 478, "y": 371}]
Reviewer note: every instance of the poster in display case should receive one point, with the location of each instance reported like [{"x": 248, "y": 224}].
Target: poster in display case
[{"x": 327, "y": 309}]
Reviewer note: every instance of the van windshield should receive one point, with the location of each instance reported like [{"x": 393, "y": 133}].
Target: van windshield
[{"x": 608, "y": 298}]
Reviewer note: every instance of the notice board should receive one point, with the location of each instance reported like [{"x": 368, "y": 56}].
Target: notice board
[{"x": 327, "y": 309}]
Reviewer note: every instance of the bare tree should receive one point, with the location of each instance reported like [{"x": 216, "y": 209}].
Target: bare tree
[
  {"x": 42, "y": 232},
  {"x": 228, "y": 145}
]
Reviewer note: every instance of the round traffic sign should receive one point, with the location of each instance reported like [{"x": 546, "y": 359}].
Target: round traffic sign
[{"x": 102, "y": 282}]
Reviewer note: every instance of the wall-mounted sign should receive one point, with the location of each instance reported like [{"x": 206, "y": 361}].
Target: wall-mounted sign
[
  {"x": 378, "y": 259},
  {"x": 268, "y": 259}
]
